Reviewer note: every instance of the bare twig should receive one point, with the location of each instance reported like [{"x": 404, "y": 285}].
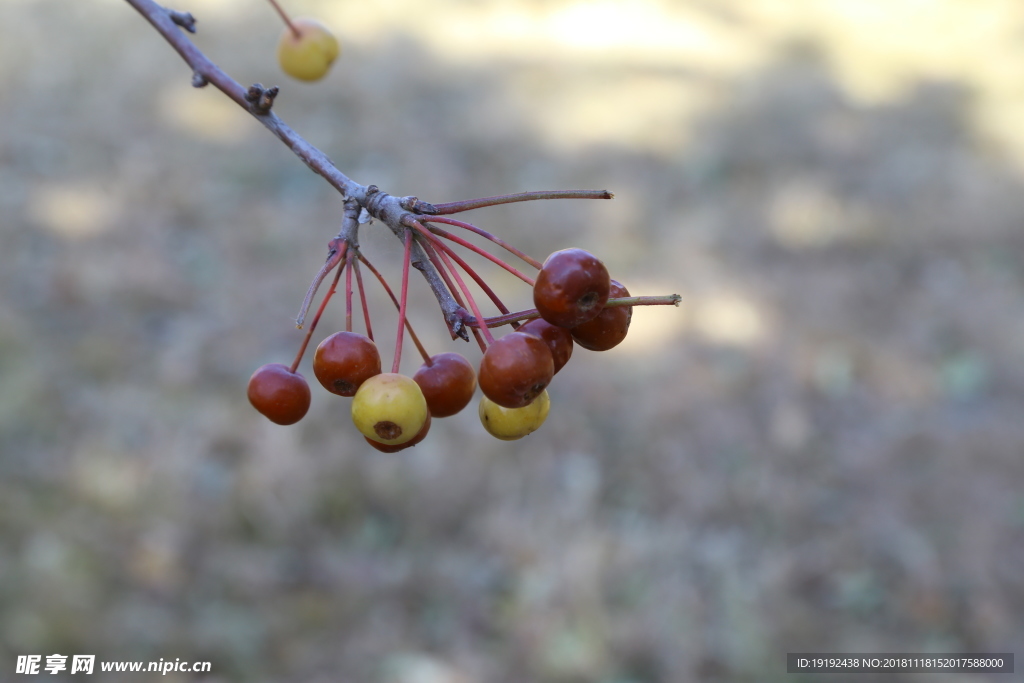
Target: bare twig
[
  {"x": 394, "y": 212},
  {"x": 316, "y": 318},
  {"x": 388, "y": 209},
  {"x": 362, "y": 299},
  {"x": 444, "y": 251},
  {"x": 403, "y": 306},
  {"x": 486, "y": 254},
  {"x": 498, "y": 321},
  {"x": 467, "y": 204},
  {"x": 483, "y": 233},
  {"x": 163, "y": 21},
  {"x": 398, "y": 306}
]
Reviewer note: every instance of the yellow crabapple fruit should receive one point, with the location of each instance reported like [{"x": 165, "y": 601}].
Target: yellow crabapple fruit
[
  {"x": 309, "y": 55},
  {"x": 509, "y": 424},
  {"x": 389, "y": 408}
]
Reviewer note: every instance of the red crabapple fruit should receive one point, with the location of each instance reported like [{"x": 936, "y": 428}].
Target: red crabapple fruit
[
  {"x": 515, "y": 370},
  {"x": 571, "y": 288},
  {"x": 558, "y": 339},
  {"x": 344, "y": 361},
  {"x": 448, "y": 383},
  {"x": 610, "y": 326},
  {"x": 280, "y": 394}
]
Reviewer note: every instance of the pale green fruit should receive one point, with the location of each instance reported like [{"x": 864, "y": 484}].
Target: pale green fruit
[
  {"x": 389, "y": 408},
  {"x": 509, "y": 424},
  {"x": 309, "y": 55}
]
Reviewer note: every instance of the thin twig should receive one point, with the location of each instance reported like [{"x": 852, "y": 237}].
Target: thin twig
[
  {"x": 439, "y": 266},
  {"x": 362, "y": 299},
  {"x": 285, "y": 18},
  {"x": 486, "y": 254},
  {"x": 408, "y": 325},
  {"x": 348, "y": 300},
  {"x": 402, "y": 307},
  {"x": 498, "y": 321},
  {"x": 445, "y": 249},
  {"x": 389, "y": 208},
  {"x": 334, "y": 257},
  {"x": 483, "y": 233},
  {"x": 467, "y": 204},
  {"x": 316, "y": 319}
]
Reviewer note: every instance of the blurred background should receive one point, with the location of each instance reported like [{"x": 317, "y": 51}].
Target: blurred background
[{"x": 822, "y": 449}]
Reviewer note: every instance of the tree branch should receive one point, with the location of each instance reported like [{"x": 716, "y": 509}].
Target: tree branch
[{"x": 258, "y": 101}]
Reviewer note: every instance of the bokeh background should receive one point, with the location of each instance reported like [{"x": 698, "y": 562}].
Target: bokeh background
[{"x": 821, "y": 449}]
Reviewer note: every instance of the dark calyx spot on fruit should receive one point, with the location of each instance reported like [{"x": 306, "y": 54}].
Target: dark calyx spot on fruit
[
  {"x": 534, "y": 391},
  {"x": 344, "y": 387},
  {"x": 386, "y": 429},
  {"x": 588, "y": 301}
]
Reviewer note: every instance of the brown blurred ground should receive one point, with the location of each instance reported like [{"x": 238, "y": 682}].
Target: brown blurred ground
[{"x": 823, "y": 449}]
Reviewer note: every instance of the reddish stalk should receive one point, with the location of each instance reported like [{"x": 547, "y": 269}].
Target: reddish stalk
[
  {"x": 287, "y": 21},
  {"x": 316, "y": 319},
  {"x": 469, "y": 297},
  {"x": 467, "y": 204},
  {"x": 486, "y": 254},
  {"x": 444, "y": 252},
  {"x": 362, "y": 299},
  {"x": 387, "y": 288},
  {"x": 667, "y": 300},
  {"x": 406, "y": 259},
  {"x": 428, "y": 247},
  {"x": 333, "y": 260},
  {"x": 445, "y": 249},
  {"x": 483, "y": 233},
  {"x": 348, "y": 300}
]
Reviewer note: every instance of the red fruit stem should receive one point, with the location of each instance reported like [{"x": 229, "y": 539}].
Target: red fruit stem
[
  {"x": 332, "y": 260},
  {"x": 667, "y": 300},
  {"x": 348, "y": 300},
  {"x": 406, "y": 259},
  {"x": 444, "y": 252},
  {"x": 284, "y": 16},
  {"x": 467, "y": 204},
  {"x": 483, "y": 233},
  {"x": 486, "y": 254},
  {"x": 408, "y": 325},
  {"x": 362, "y": 298},
  {"x": 445, "y": 249},
  {"x": 439, "y": 267},
  {"x": 316, "y": 318}
]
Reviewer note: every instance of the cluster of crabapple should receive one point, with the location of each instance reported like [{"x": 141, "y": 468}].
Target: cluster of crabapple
[
  {"x": 394, "y": 412},
  {"x": 576, "y": 302},
  {"x": 570, "y": 295}
]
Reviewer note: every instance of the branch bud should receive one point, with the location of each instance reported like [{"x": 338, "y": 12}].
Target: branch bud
[
  {"x": 183, "y": 19},
  {"x": 261, "y": 99}
]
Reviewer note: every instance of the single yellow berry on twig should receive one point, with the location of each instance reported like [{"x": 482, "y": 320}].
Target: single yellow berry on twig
[{"x": 307, "y": 56}]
